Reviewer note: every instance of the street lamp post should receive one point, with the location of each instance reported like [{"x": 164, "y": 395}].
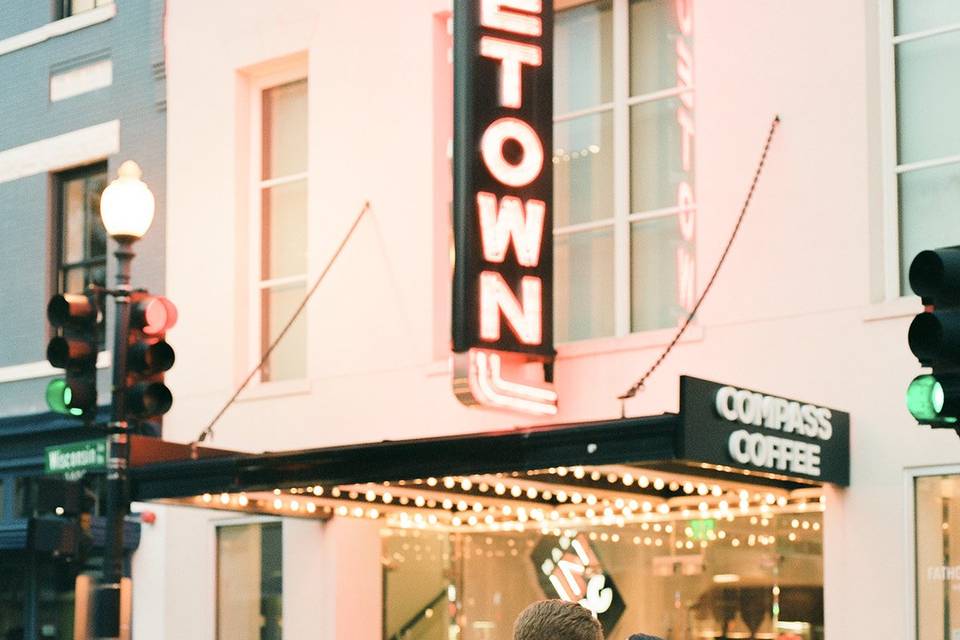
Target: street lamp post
[{"x": 127, "y": 208}]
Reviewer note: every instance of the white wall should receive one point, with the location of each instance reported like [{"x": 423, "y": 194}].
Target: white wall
[{"x": 791, "y": 312}]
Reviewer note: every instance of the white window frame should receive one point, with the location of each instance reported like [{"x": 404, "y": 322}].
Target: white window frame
[
  {"x": 97, "y": 4},
  {"x": 910, "y": 539},
  {"x": 892, "y": 168},
  {"x": 622, "y": 215},
  {"x": 256, "y": 184}
]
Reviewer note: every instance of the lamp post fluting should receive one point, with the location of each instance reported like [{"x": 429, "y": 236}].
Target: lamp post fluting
[{"x": 127, "y": 208}]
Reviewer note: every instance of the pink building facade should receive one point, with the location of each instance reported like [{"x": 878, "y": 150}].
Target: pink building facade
[{"x": 285, "y": 118}]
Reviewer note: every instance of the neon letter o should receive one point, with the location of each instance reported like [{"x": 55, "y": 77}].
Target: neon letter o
[{"x": 491, "y": 149}]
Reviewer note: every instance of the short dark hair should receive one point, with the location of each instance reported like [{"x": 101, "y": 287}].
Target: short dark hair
[{"x": 556, "y": 620}]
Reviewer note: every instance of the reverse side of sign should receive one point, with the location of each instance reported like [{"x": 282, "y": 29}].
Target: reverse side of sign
[{"x": 503, "y": 206}]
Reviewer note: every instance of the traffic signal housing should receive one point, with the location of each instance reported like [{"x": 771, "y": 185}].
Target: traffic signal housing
[
  {"x": 934, "y": 338},
  {"x": 148, "y": 356},
  {"x": 74, "y": 349}
]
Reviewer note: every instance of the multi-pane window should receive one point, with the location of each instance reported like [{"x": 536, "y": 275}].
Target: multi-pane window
[
  {"x": 82, "y": 247},
  {"x": 250, "y": 582},
  {"x": 623, "y": 166},
  {"x": 282, "y": 279},
  {"x": 69, "y": 8},
  {"x": 927, "y": 50}
]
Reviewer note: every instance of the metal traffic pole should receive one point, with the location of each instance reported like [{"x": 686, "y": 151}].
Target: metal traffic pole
[{"x": 127, "y": 208}]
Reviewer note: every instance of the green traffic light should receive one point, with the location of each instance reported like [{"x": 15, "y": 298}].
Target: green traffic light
[
  {"x": 925, "y": 398},
  {"x": 58, "y": 396}
]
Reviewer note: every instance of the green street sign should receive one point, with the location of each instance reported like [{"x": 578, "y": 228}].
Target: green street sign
[{"x": 76, "y": 456}]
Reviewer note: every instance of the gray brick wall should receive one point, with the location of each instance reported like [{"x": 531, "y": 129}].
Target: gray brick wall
[{"x": 132, "y": 40}]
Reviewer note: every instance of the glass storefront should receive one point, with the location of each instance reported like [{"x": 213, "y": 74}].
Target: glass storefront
[
  {"x": 938, "y": 557},
  {"x": 673, "y": 547},
  {"x": 679, "y": 556}
]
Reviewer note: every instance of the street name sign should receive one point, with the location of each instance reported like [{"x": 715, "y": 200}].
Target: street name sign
[{"x": 86, "y": 455}]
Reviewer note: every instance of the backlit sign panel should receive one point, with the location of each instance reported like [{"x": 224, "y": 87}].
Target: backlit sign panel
[
  {"x": 569, "y": 569},
  {"x": 503, "y": 219}
]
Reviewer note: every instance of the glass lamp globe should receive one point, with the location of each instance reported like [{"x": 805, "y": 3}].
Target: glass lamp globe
[{"x": 127, "y": 205}]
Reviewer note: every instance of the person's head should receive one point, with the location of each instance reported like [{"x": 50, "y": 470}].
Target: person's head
[{"x": 556, "y": 620}]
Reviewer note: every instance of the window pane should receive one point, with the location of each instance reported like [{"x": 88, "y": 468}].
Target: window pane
[
  {"x": 912, "y": 15},
  {"x": 285, "y": 130},
  {"x": 249, "y": 582},
  {"x": 271, "y": 581},
  {"x": 289, "y": 360},
  {"x": 416, "y": 586},
  {"x": 583, "y": 169},
  {"x": 284, "y": 230},
  {"x": 656, "y": 155},
  {"x": 583, "y": 57},
  {"x": 938, "y": 554},
  {"x": 13, "y": 595},
  {"x": 74, "y": 219},
  {"x": 97, "y": 274},
  {"x": 654, "y": 30},
  {"x": 583, "y": 285},
  {"x": 23, "y": 498},
  {"x": 84, "y": 236},
  {"x": 97, "y": 232},
  {"x": 929, "y": 201},
  {"x": 928, "y": 98},
  {"x": 74, "y": 280},
  {"x": 654, "y": 258},
  {"x": 79, "y": 6}
]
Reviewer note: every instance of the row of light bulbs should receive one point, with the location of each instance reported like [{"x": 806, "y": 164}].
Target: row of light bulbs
[
  {"x": 474, "y": 516},
  {"x": 579, "y": 505}
]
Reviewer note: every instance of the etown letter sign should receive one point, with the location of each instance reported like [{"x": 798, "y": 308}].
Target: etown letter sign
[{"x": 503, "y": 185}]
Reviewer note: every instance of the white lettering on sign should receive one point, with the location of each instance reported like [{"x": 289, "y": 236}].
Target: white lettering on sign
[
  {"x": 503, "y": 15},
  {"x": 491, "y": 148},
  {"x": 512, "y": 57},
  {"x": 570, "y": 575},
  {"x": 943, "y": 573},
  {"x": 511, "y": 220},
  {"x": 496, "y": 298},
  {"x": 70, "y": 459},
  {"x": 771, "y": 452},
  {"x": 757, "y": 409}
]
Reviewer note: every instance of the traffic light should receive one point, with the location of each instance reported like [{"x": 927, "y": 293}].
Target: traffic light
[
  {"x": 934, "y": 337},
  {"x": 148, "y": 356},
  {"x": 74, "y": 349}
]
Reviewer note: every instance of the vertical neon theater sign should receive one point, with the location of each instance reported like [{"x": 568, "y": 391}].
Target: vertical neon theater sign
[
  {"x": 503, "y": 219},
  {"x": 686, "y": 265}
]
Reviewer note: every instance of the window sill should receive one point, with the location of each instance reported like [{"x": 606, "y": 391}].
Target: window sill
[
  {"x": 892, "y": 309},
  {"x": 267, "y": 390},
  {"x": 58, "y": 28},
  {"x": 601, "y": 346},
  {"x": 632, "y": 342},
  {"x": 43, "y": 369}
]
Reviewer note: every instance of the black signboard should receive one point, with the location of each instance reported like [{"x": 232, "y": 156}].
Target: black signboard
[
  {"x": 503, "y": 178},
  {"x": 725, "y": 425}
]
